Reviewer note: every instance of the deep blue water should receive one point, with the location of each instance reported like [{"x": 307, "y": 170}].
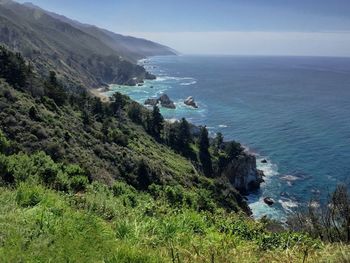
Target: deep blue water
[{"x": 293, "y": 111}]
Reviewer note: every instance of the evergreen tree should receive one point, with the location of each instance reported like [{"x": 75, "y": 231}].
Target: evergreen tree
[
  {"x": 118, "y": 103},
  {"x": 135, "y": 112},
  {"x": 219, "y": 141},
  {"x": 13, "y": 68},
  {"x": 55, "y": 90},
  {"x": 233, "y": 150},
  {"x": 204, "y": 155},
  {"x": 86, "y": 118},
  {"x": 157, "y": 122},
  {"x": 184, "y": 136}
]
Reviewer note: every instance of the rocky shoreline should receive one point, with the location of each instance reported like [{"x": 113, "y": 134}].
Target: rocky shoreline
[{"x": 241, "y": 172}]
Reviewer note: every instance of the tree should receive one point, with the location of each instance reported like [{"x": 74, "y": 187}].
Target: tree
[
  {"x": 219, "y": 140},
  {"x": 97, "y": 107},
  {"x": 204, "y": 155},
  {"x": 156, "y": 122},
  {"x": 184, "y": 137},
  {"x": 135, "y": 112},
  {"x": 34, "y": 114},
  {"x": 86, "y": 118},
  {"x": 329, "y": 221},
  {"x": 118, "y": 103},
  {"x": 55, "y": 90},
  {"x": 233, "y": 150},
  {"x": 13, "y": 68}
]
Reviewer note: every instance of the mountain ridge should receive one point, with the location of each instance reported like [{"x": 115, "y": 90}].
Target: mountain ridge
[{"x": 84, "y": 55}]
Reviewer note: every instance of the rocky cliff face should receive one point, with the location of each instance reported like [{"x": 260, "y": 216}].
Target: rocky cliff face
[{"x": 243, "y": 174}]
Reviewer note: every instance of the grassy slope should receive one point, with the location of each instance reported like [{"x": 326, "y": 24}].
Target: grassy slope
[{"x": 100, "y": 225}]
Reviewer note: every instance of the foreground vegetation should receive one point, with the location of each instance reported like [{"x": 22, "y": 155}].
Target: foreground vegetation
[
  {"x": 85, "y": 222},
  {"x": 85, "y": 181}
]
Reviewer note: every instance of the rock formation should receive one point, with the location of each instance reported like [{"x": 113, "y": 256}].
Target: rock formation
[
  {"x": 190, "y": 102},
  {"x": 269, "y": 201},
  {"x": 243, "y": 174},
  {"x": 164, "y": 101},
  {"x": 152, "y": 102}
]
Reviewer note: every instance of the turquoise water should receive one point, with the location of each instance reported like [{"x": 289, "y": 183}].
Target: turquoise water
[{"x": 293, "y": 111}]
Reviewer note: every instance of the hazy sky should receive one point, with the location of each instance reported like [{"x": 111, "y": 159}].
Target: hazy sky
[{"x": 256, "y": 27}]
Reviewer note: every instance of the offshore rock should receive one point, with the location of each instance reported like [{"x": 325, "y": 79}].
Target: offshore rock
[
  {"x": 190, "y": 102},
  {"x": 269, "y": 201},
  {"x": 166, "y": 102}
]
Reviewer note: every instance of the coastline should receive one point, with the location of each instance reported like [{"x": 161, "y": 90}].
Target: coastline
[
  {"x": 100, "y": 93},
  {"x": 255, "y": 199}
]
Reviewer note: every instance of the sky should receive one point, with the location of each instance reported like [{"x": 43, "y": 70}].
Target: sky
[{"x": 240, "y": 27}]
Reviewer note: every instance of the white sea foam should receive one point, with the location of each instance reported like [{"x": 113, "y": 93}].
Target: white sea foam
[
  {"x": 288, "y": 204},
  {"x": 223, "y": 126},
  {"x": 289, "y": 178},
  {"x": 166, "y": 78},
  {"x": 188, "y": 83},
  {"x": 270, "y": 169}
]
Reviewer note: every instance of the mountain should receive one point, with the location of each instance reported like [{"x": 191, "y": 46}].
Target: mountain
[
  {"x": 129, "y": 47},
  {"x": 83, "y": 54}
]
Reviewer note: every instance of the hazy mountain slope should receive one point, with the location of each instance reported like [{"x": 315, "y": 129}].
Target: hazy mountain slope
[
  {"x": 129, "y": 47},
  {"x": 75, "y": 55}
]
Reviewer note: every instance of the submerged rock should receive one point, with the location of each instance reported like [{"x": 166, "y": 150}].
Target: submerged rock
[
  {"x": 269, "y": 201},
  {"x": 190, "y": 102},
  {"x": 243, "y": 174},
  {"x": 264, "y": 161}
]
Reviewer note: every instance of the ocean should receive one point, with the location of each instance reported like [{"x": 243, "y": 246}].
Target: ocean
[{"x": 292, "y": 111}]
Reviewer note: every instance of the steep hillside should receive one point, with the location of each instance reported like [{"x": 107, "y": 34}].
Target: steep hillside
[
  {"x": 86, "y": 57},
  {"x": 120, "y": 140},
  {"x": 128, "y": 47},
  {"x": 86, "y": 181}
]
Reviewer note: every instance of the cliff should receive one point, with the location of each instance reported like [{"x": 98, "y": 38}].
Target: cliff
[{"x": 243, "y": 174}]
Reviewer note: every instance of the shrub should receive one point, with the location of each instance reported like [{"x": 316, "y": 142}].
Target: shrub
[
  {"x": 120, "y": 188},
  {"x": 4, "y": 143},
  {"x": 78, "y": 183},
  {"x": 28, "y": 195},
  {"x": 135, "y": 112}
]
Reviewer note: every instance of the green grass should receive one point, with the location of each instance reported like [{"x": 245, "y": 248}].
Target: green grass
[{"x": 101, "y": 225}]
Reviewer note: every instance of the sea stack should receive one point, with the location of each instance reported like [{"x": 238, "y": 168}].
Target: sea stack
[
  {"x": 166, "y": 102},
  {"x": 190, "y": 102}
]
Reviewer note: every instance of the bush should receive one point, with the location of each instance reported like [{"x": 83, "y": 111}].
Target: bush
[
  {"x": 78, "y": 183},
  {"x": 28, "y": 195},
  {"x": 120, "y": 188},
  {"x": 4, "y": 143}
]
